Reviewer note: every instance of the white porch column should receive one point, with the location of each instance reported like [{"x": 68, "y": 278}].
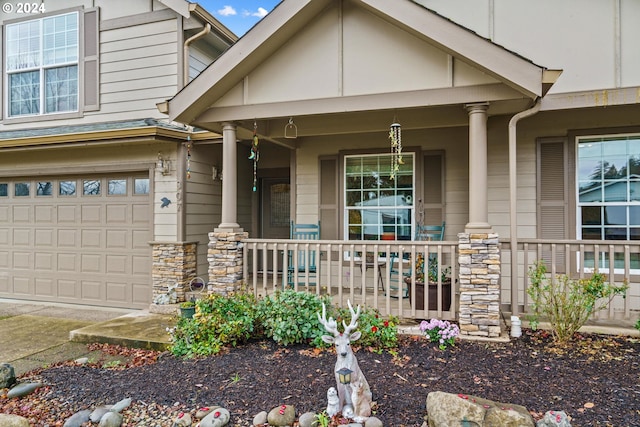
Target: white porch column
[
  {"x": 478, "y": 205},
  {"x": 225, "y": 253},
  {"x": 230, "y": 181}
]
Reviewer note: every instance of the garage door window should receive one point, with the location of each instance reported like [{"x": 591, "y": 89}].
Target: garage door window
[
  {"x": 117, "y": 187},
  {"x": 67, "y": 188},
  {"x": 44, "y": 189},
  {"x": 22, "y": 189},
  {"x": 141, "y": 186},
  {"x": 3, "y": 190},
  {"x": 91, "y": 187}
]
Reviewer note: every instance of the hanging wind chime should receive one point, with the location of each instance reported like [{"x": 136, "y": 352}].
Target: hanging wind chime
[
  {"x": 395, "y": 136},
  {"x": 188, "y": 156},
  {"x": 255, "y": 156}
]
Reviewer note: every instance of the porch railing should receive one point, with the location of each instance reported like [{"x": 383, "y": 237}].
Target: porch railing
[
  {"x": 378, "y": 274},
  {"x": 618, "y": 261}
]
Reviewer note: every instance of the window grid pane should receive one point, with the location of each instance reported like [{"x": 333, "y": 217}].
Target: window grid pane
[
  {"x": 61, "y": 89},
  {"x": 141, "y": 186},
  {"x": 608, "y": 176},
  {"x": 117, "y": 187},
  {"x": 60, "y": 39},
  {"x": 44, "y": 188},
  {"x": 23, "y": 45},
  {"x": 22, "y": 189},
  {"x": 32, "y": 46},
  {"x": 24, "y": 93},
  {"x": 67, "y": 188},
  {"x": 91, "y": 187},
  {"x": 377, "y": 205}
]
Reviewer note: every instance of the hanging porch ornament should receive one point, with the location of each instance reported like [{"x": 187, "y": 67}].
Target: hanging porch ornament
[
  {"x": 255, "y": 155},
  {"x": 395, "y": 136},
  {"x": 188, "y": 156}
]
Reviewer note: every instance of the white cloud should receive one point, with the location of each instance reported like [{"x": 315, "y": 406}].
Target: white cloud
[
  {"x": 261, "y": 12},
  {"x": 227, "y": 11}
]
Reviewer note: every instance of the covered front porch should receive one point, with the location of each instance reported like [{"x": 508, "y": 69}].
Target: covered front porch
[
  {"x": 322, "y": 89},
  {"x": 390, "y": 286}
]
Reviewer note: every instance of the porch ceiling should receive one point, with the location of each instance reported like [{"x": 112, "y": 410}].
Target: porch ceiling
[{"x": 271, "y": 127}]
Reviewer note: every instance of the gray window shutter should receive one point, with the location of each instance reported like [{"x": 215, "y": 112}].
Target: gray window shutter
[
  {"x": 329, "y": 192},
  {"x": 91, "y": 59},
  {"x": 433, "y": 185},
  {"x": 553, "y": 194}
]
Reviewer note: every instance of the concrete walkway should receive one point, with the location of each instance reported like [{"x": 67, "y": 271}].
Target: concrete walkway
[{"x": 34, "y": 335}]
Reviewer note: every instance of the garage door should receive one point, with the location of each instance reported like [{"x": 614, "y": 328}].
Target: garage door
[{"x": 78, "y": 240}]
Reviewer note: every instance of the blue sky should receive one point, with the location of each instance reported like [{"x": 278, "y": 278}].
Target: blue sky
[{"x": 238, "y": 15}]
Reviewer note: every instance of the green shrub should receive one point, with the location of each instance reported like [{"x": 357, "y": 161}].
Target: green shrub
[
  {"x": 637, "y": 326},
  {"x": 377, "y": 332},
  {"x": 567, "y": 303},
  {"x": 289, "y": 317},
  {"x": 219, "y": 321}
]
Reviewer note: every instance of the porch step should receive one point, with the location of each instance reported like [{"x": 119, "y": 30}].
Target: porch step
[{"x": 139, "y": 330}]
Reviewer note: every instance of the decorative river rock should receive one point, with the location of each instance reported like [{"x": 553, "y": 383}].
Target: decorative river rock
[{"x": 23, "y": 389}]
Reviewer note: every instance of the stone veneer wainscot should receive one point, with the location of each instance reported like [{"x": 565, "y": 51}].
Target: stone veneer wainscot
[
  {"x": 173, "y": 262},
  {"x": 225, "y": 261},
  {"x": 479, "y": 260}
]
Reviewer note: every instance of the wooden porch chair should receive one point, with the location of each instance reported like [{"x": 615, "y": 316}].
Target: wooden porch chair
[
  {"x": 306, "y": 261},
  {"x": 430, "y": 232}
]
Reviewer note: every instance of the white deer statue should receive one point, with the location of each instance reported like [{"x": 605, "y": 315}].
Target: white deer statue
[{"x": 359, "y": 408}]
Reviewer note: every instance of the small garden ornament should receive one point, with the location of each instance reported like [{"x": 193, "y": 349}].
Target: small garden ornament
[
  {"x": 333, "y": 402},
  {"x": 360, "y": 408}
]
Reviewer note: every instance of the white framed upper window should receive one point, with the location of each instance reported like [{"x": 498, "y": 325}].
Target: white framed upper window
[
  {"x": 42, "y": 66},
  {"x": 377, "y": 205}
]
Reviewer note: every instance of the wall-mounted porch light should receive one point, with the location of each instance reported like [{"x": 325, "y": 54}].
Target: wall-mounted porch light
[
  {"x": 164, "y": 166},
  {"x": 215, "y": 173}
]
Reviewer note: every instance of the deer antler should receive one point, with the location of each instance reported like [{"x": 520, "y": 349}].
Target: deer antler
[
  {"x": 330, "y": 325},
  {"x": 354, "y": 319}
]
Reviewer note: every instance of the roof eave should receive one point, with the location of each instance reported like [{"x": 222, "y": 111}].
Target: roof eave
[{"x": 249, "y": 51}]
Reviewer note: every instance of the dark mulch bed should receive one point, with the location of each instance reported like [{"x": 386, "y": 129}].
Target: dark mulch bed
[{"x": 595, "y": 379}]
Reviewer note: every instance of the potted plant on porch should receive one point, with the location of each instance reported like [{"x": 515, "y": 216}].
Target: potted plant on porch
[
  {"x": 188, "y": 309},
  {"x": 432, "y": 281}
]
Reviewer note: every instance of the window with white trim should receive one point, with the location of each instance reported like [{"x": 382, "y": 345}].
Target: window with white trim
[
  {"x": 608, "y": 187},
  {"x": 379, "y": 205},
  {"x": 41, "y": 64}
]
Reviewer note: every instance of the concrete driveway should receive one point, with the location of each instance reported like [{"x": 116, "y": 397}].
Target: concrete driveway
[{"x": 36, "y": 335}]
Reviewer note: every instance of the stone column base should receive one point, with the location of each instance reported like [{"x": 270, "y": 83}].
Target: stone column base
[
  {"x": 479, "y": 260},
  {"x": 225, "y": 261}
]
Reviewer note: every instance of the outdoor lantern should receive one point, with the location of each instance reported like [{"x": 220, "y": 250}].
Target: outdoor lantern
[
  {"x": 344, "y": 375},
  {"x": 164, "y": 166}
]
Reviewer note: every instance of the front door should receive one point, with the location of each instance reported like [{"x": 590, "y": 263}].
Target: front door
[{"x": 275, "y": 213}]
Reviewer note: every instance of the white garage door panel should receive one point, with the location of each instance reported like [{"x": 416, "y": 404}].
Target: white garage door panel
[
  {"x": 86, "y": 249},
  {"x": 4, "y": 282},
  {"x": 45, "y": 287}
]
